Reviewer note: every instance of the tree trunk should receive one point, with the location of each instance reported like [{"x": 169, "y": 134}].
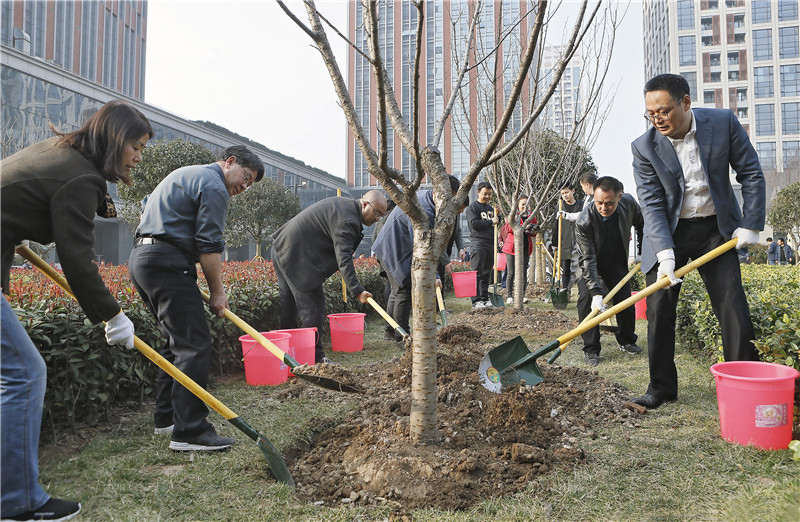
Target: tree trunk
[{"x": 519, "y": 266}]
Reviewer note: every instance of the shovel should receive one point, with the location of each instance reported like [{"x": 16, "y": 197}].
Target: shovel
[
  {"x": 513, "y": 363},
  {"x": 495, "y": 298},
  {"x": 273, "y": 456},
  {"x": 558, "y": 296},
  {"x": 288, "y": 360},
  {"x": 595, "y": 311},
  {"x": 442, "y": 310},
  {"x": 387, "y": 317}
]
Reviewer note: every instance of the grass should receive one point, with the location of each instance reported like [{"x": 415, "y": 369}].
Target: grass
[{"x": 673, "y": 466}]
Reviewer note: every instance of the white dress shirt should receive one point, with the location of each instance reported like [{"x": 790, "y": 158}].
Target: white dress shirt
[{"x": 697, "y": 200}]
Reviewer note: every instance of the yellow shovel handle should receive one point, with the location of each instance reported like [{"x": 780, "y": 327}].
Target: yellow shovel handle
[
  {"x": 252, "y": 332},
  {"x": 439, "y": 298},
  {"x": 655, "y": 287},
  {"x": 140, "y": 345},
  {"x": 386, "y": 317}
]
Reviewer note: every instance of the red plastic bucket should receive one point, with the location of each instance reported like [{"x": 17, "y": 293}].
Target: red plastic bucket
[
  {"x": 302, "y": 342},
  {"x": 501, "y": 261},
  {"x": 261, "y": 367},
  {"x": 347, "y": 332},
  {"x": 465, "y": 284},
  {"x": 756, "y": 402},
  {"x": 641, "y": 307}
]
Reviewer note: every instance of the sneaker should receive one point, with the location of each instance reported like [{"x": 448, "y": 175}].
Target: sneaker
[
  {"x": 325, "y": 360},
  {"x": 206, "y": 441},
  {"x": 478, "y": 305},
  {"x": 166, "y": 430},
  {"x": 510, "y": 301},
  {"x": 632, "y": 349},
  {"x": 524, "y": 300},
  {"x": 53, "y": 509},
  {"x": 592, "y": 359}
]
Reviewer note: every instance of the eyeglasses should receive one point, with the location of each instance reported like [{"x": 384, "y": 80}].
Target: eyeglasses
[
  {"x": 662, "y": 115},
  {"x": 376, "y": 211},
  {"x": 248, "y": 177}
]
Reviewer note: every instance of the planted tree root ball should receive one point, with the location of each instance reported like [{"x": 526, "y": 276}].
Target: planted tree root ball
[{"x": 491, "y": 445}]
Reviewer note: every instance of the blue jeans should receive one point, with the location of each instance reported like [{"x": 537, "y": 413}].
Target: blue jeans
[{"x": 22, "y": 385}]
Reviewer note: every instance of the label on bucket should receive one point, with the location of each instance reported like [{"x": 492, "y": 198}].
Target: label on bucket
[{"x": 771, "y": 415}]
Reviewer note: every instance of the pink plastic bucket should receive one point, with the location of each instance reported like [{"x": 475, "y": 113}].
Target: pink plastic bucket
[
  {"x": 501, "y": 261},
  {"x": 641, "y": 307},
  {"x": 465, "y": 284},
  {"x": 347, "y": 332},
  {"x": 261, "y": 367},
  {"x": 756, "y": 402},
  {"x": 302, "y": 342}
]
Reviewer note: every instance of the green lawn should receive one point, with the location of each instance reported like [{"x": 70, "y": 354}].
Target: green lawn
[{"x": 673, "y": 466}]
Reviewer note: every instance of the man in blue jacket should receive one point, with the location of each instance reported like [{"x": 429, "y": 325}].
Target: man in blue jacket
[
  {"x": 681, "y": 167},
  {"x": 394, "y": 247}
]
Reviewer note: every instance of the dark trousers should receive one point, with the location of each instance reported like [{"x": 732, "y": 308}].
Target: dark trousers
[
  {"x": 399, "y": 305},
  {"x": 166, "y": 279},
  {"x": 482, "y": 261},
  {"x": 723, "y": 281},
  {"x": 626, "y": 319},
  {"x": 511, "y": 277},
  {"x": 309, "y": 306},
  {"x": 566, "y": 272}
]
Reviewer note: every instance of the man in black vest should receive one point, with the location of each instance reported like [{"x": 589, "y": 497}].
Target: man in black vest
[
  {"x": 313, "y": 245},
  {"x": 603, "y": 235}
]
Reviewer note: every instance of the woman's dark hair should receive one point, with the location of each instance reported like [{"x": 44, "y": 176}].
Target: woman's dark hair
[{"x": 102, "y": 138}]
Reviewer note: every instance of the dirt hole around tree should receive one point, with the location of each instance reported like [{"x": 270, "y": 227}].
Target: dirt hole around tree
[{"x": 492, "y": 445}]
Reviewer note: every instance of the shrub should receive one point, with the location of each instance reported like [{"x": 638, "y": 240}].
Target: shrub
[
  {"x": 85, "y": 376},
  {"x": 772, "y": 294}
]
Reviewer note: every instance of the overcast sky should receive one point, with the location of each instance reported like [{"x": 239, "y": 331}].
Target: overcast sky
[{"x": 244, "y": 65}]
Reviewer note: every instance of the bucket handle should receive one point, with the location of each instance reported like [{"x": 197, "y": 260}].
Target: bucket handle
[{"x": 345, "y": 329}]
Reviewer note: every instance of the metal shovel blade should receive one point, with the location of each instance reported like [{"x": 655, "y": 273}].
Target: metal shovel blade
[
  {"x": 559, "y": 297},
  {"x": 510, "y": 364}
]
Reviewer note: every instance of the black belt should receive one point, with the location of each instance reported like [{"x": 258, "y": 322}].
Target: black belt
[{"x": 695, "y": 219}]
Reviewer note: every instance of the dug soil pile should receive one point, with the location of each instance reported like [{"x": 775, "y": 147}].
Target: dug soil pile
[{"x": 492, "y": 445}]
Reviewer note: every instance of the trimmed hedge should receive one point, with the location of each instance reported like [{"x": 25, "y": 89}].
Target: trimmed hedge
[
  {"x": 773, "y": 293},
  {"x": 86, "y": 376}
]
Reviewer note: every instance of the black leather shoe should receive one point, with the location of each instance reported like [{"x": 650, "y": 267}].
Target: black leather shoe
[{"x": 651, "y": 402}]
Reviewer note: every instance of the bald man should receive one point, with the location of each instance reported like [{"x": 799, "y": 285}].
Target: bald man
[{"x": 313, "y": 245}]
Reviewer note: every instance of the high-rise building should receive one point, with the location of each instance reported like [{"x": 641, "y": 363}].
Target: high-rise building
[
  {"x": 473, "y": 114},
  {"x": 568, "y": 98},
  {"x": 739, "y": 55},
  {"x": 101, "y": 40}
]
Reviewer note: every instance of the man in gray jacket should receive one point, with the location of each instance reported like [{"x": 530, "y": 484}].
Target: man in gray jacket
[
  {"x": 603, "y": 236},
  {"x": 313, "y": 245}
]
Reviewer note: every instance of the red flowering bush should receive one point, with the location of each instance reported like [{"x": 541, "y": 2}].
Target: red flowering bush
[{"x": 86, "y": 376}]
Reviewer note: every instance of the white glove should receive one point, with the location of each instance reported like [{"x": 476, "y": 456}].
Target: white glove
[
  {"x": 666, "y": 266},
  {"x": 569, "y": 216},
  {"x": 119, "y": 330},
  {"x": 747, "y": 237},
  {"x": 597, "y": 302}
]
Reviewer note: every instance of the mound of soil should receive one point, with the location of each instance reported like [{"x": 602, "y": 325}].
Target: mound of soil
[{"x": 491, "y": 445}]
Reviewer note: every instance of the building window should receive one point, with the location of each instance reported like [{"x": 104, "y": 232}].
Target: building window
[
  {"x": 762, "y": 11},
  {"x": 790, "y": 80},
  {"x": 762, "y": 82},
  {"x": 790, "y": 118},
  {"x": 788, "y": 39},
  {"x": 787, "y": 10},
  {"x": 741, "y": 112},
  {"x": 713, "y": 59},
  {"x": 733, "y": 76},
  {"x": 766, "y": 155},
  {"x": 685, "y": 14},
  {"x": 762, "y": 44},
  {"x": 791, "y": 155},
  {"x": 715, "y": 77},
  {"x": 691, "y": 79},
  {"x": 708, "y": 97},
  {"x": 687, "y": 50},
  {"x": 765, "y": 120}
]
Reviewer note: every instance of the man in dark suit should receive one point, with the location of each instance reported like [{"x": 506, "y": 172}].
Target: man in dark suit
[
  {"x": 681, "y": 167},
  {"x": 603, "y": 233},
  {"x": 313, "y": 245}
]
